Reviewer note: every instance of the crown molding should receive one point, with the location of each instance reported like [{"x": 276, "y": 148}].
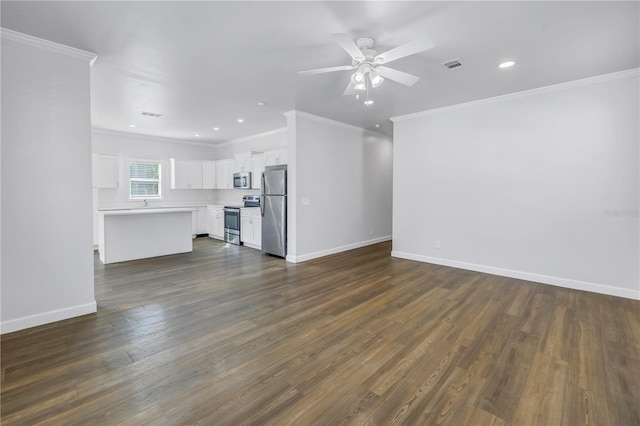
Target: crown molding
[
  {"x": 251, "y": 137},
  {"x": 149, "y": 137},
  {"x": 523, "y": 94},
  {"x": 51, "y": 46},
  {"x": 317, "y": 118}
]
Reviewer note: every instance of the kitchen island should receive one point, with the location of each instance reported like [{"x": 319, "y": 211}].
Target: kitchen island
[{"x": 130, "y": 234}]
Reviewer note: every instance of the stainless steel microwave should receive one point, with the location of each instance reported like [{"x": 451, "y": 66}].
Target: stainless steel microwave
[{"x": 242, "y": 180}]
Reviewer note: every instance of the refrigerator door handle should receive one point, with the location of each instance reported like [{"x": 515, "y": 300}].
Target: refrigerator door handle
[{"x": 262, "y": 199}]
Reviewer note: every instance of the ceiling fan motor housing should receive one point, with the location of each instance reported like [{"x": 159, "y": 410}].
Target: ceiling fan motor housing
[{"x": 365, "y": 43}]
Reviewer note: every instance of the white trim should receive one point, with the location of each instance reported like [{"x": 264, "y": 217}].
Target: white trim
[
  {"x": 51, "y": 46},
  {"x": 332, "y": 122},
  {"x": 322, "y": 253},
  {"x": 248, "y": 138},
  {"x": 120, "y": 133},
  {"x": 47, "y": 317},
  {"x": 523, "y": 94},
  {"x": 527, "y": 276}
]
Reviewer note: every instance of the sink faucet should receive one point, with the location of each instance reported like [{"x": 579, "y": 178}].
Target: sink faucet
[{"x": 146, "y": 203}]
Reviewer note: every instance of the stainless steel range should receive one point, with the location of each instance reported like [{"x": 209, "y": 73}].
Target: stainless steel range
[
  {"x": 232, "y": 224},
  {"x": 232, "y": 218}
]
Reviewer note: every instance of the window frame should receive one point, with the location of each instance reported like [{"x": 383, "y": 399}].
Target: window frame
[{"x": 133, "y": 197}]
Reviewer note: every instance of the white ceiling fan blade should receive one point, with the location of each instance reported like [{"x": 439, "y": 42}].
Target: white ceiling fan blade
[
  {"x": 323, "y": 70},
  {"x": 399, "y": 76},
  {"x": 410, "y": 48},
  {"x": 349, "y": 45},
  {"x": 350, "y": 90}
]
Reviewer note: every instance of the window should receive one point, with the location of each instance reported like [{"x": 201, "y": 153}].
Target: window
[{"x": 144, "y": 180}]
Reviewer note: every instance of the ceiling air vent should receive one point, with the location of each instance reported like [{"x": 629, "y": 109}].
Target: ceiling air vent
[
  {"x": 454, "y": 63},
  {"x": 151, "y": 114}
]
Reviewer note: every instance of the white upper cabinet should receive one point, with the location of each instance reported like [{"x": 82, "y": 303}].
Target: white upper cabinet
[
  {"x": 195, "y": 174},
  {"x": 257, "y": 167},
  {"x": 243, "y": 162},
  {"x": 186, "y": 174},
  {"x": 105, "y": 170},
  {"x": 275, "y": 157},
  {"x": 209, "y": 174},
  {"x": 224, "y": 174}
]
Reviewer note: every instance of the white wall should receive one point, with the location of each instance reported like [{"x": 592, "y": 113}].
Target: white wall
[
  {"x": 47, "y": 256},
  {"x": 135, "y": 147},
  {"x": 345, "y": 174},
  {"x": 540, "y": 185}
]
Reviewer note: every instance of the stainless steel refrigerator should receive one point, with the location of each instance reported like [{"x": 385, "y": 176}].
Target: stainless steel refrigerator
[{"x": 273, "y": 205}]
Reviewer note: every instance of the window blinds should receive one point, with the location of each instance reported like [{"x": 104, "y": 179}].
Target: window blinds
[{"x": 144, "y": 180}]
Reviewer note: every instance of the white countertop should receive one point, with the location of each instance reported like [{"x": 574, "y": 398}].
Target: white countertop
[{"x": 148, "y": 210}]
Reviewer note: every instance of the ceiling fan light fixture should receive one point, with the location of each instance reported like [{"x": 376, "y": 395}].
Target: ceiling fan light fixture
[
  {"x": 376, "y": 79},
  {"x": 357, "y": 77}
]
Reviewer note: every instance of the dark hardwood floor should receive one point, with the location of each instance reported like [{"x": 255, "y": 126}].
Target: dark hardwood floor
[{"x": 226, "y": 335}]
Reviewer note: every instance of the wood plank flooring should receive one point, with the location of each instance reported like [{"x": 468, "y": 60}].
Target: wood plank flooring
[{"x": 227, "y": 336}]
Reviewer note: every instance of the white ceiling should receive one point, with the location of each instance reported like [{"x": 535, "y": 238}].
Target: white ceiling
[{"x": 205, "y": 64}]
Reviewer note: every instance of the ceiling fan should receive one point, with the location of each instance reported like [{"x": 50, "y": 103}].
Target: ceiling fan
[{"x": 370, "y": 66}]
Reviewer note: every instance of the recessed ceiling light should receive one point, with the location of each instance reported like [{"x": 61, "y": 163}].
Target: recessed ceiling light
[
  {"x": 369, "y": 102},
  {"x": 240, "y": 120},
  {"x": 132, "y": 125},
  {"x": 506, "y": 64},
  {"x": 261, "y": 104},
  {"x": 377, "y": 126},
  {"x": 216, "y": 128},
  {"x": 196, "y": 135}
]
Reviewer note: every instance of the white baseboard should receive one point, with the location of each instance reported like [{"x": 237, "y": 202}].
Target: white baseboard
[
  {"x": 322, "y": 253},
  {"x": 527, "y": 276},
  {"x": 47, "y": 317}
]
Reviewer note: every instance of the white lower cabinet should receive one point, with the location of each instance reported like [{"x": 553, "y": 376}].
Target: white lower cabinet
[
  {"x": 202, "y": 225},
  {"x": 200, "y": 221},
  {"x": 251, "y": 227},
  {"x": 216, "y": 222}
]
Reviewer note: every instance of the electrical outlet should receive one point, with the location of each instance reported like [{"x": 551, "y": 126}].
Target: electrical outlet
[
  {"x": 305, "y": 201},
  {"x": 436, "y": 244}
]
